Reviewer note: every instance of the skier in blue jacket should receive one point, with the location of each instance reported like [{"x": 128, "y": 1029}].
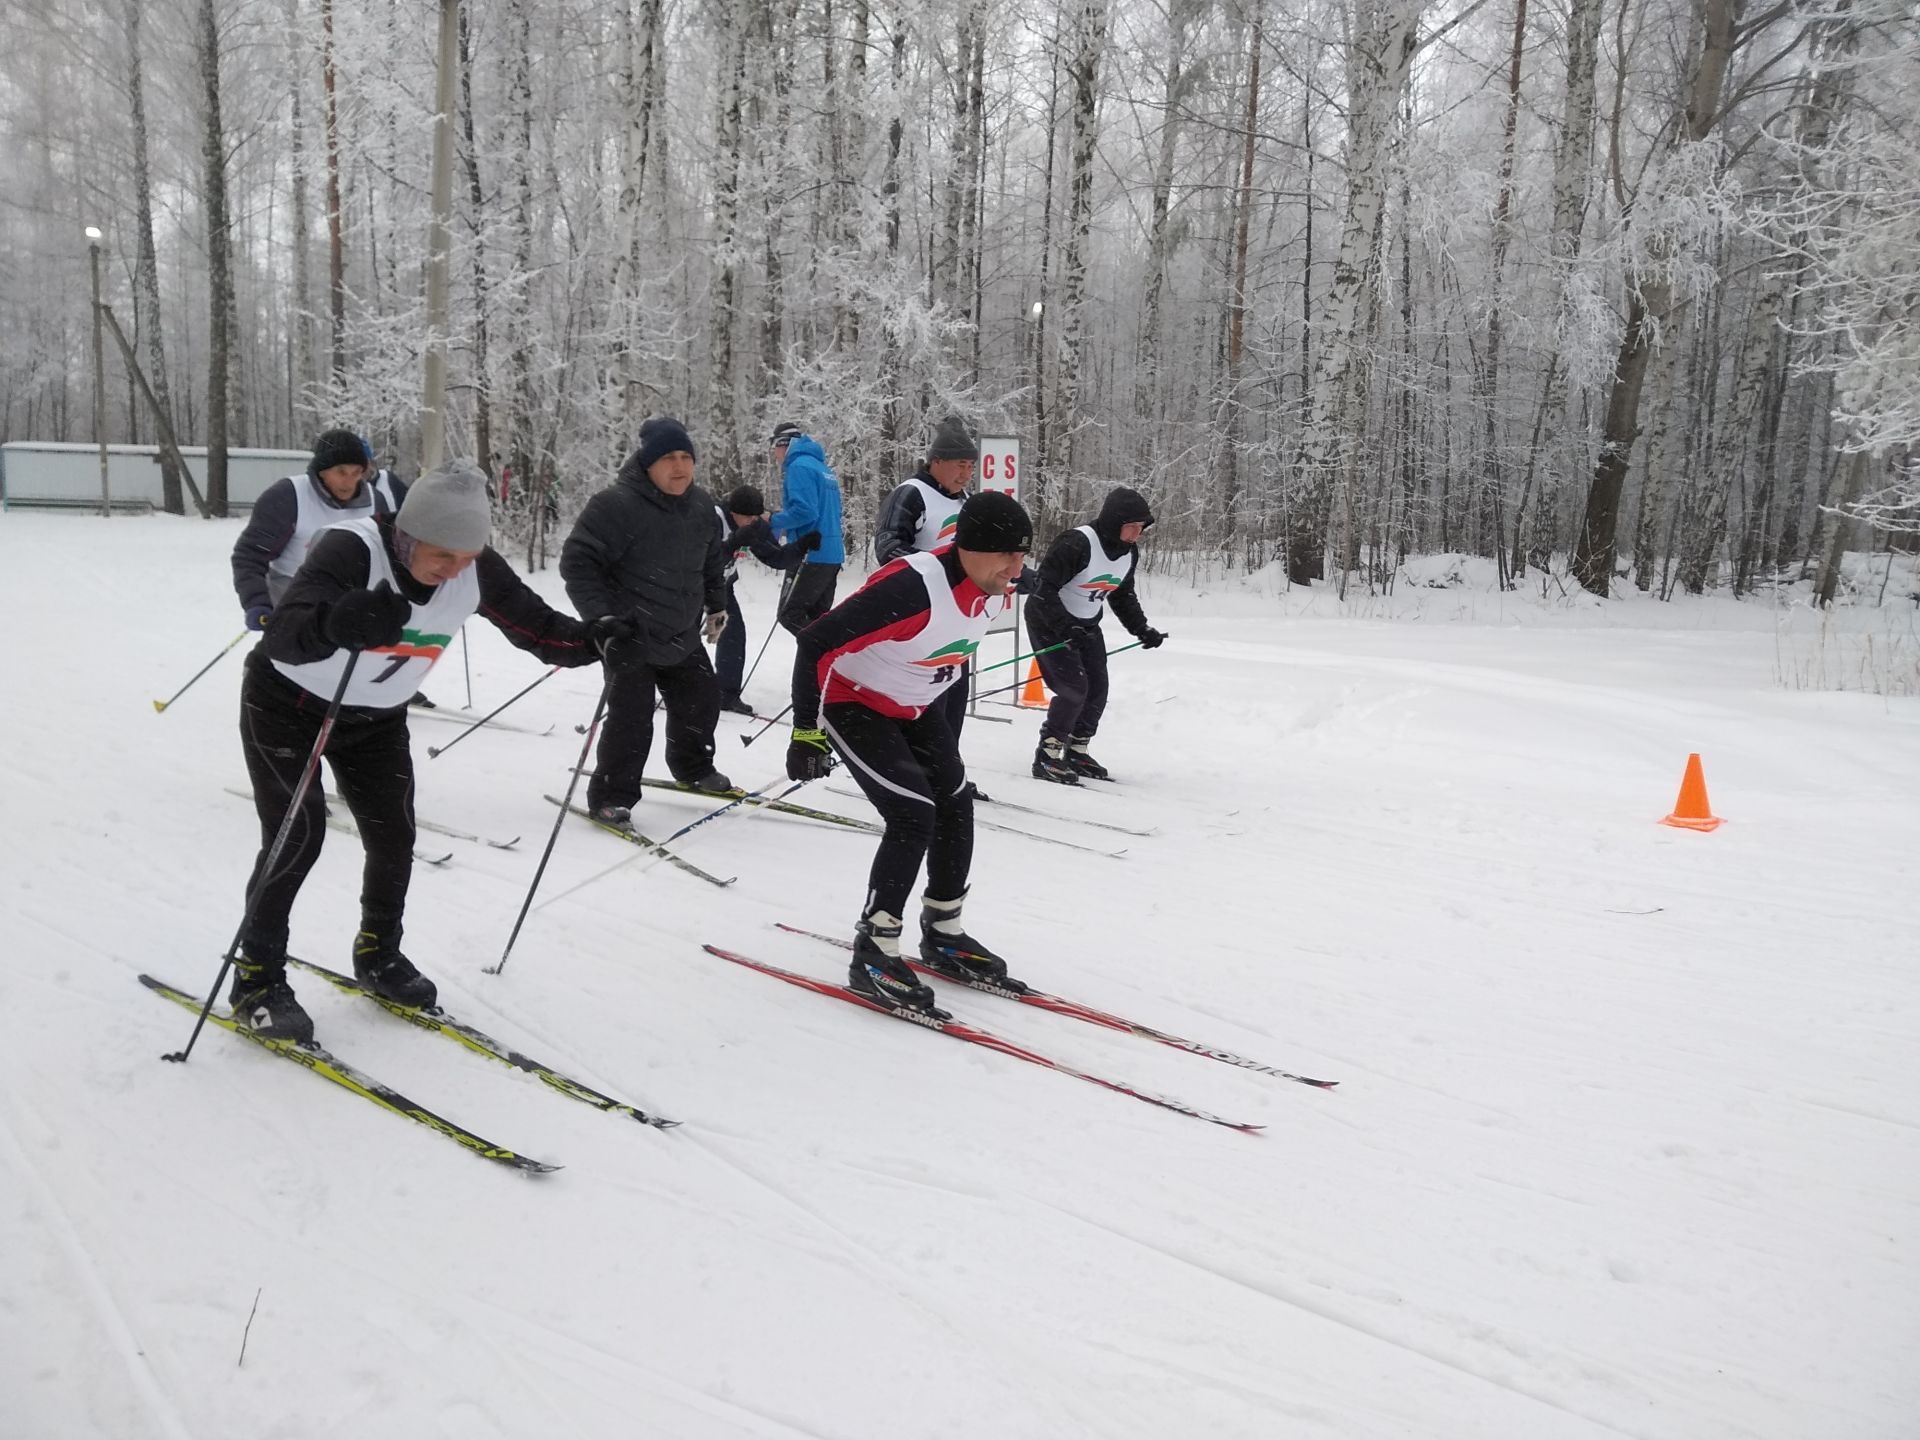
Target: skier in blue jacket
[{"x": 810, "y": 502}]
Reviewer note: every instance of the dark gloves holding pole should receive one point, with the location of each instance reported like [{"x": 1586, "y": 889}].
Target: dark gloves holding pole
[
  {"x": 257, "y": 616},
  {"x": 1151, "y": 639},
  {"x": 609, "y": 630},
  {"x": 808, "y": 756},
  {"x": 368, "y": 619}
]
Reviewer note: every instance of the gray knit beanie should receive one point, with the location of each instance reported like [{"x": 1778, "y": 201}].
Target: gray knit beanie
[
  {"x": 953, "y": 441},
  {"x": 448, "y": 507}
]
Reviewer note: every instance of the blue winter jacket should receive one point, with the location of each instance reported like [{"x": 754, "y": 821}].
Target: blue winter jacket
[{"x": 810, "y": 500}]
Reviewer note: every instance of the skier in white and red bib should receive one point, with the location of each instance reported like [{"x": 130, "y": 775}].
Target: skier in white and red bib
[{"x": 867, "y": 681}]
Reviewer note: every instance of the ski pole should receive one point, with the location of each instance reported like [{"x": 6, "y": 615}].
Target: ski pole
[
  {"x": 599, "y": 710},
  {"x": 1043, "y": 650},
  {"x": 786, "y": 589},
  {"x": 259, "y": 887},
  {"x": 1018, "y": 683},
  {"x": 434, "y": 752},
  {"x": 749, "y": 739},
  {"x": 734, "y": 803},
  {"x": 160, "y": 706},
  {"x": 466, "y": 664}
]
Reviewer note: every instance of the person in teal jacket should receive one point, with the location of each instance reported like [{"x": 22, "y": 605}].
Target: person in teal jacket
[{"x": 810, "y": 502}]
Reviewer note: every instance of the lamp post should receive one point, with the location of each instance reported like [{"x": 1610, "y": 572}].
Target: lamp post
[{"x": 99, "y": 373}]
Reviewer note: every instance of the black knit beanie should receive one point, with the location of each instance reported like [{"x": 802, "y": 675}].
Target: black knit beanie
[
  {"x": 995, "y": 522},
  {"x": 953, "y": 441},
  {"x": 747, "y": 501},
  {"x": 662, "y": 435},
  {"x": 338, "y": 447}
]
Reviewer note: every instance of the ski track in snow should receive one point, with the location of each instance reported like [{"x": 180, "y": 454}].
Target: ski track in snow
[{"x": 1626, "y": 1141}]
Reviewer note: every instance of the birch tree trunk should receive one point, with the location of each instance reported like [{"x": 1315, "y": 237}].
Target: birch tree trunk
[
  {"x": 146, "y": 270},
  {"x": 1494, "y": 478},
  {"x": 213, "y": 197},
  {"x": 477, "y": 203},
  {"x": 1649, "y": 304},
  {"x": 721, "y": 391},
  {"x": 299, "y": 405},
  {"x": 336, "y": 239},
  {"x": 1147, "y": 399},
  {"x": 1084, "y": 74},
  {"x": 1379, "y": 58},
  {"x": 1572, "y": 172}
]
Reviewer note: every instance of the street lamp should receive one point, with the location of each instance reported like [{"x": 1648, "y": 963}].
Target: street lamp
[{"x": 99, "y": 373}]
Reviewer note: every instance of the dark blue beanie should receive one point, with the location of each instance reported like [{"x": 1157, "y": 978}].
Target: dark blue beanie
[{"x": 662, "y": 435}]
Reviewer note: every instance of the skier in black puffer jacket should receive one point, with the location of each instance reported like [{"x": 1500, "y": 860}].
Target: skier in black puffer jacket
[
  {"x": 1086, "y": 571},
  {"x": 648, "y": 546}
]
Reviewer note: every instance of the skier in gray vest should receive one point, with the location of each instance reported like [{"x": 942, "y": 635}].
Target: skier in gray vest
[
  {"x": 387, "y": 595},
  {"x": 1086, "y": 572},
  {"x": 339, "y": 484},
  {"x": 921, "y": 515}
]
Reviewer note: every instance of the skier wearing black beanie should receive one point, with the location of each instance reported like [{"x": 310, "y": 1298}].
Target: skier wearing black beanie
[
  {"x": 868, "y": 680},
  {"x": 1087, "y": 572}
]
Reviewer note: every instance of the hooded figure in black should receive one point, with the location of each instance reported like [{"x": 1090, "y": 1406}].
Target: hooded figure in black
[
  {"x": 1086, "y": 571},
  {"x": 648, "y": 548}
]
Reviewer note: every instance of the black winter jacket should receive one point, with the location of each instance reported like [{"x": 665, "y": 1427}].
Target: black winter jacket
[
  {"x": 1047, "y": 619},
  {"x": 635, "y": 550}
]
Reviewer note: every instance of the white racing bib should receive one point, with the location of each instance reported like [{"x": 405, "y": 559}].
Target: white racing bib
[
  {"x": 915, "y": 672},
  {"x": 311, "y": 515},
  {"x": 1085, "y": 595},
  {"x": 392, "y": 674}
]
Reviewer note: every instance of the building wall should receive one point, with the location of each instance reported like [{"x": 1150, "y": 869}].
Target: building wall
[{"x": 40, "y": 474}]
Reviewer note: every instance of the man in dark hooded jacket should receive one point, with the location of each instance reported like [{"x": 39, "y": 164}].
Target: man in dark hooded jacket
[
  {"x": 648, "y": 547},
  {"x": 1086, "y": 571}
]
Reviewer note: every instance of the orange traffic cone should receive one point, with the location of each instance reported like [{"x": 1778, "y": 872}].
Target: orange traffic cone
[
  {"x": 1033, "y": 695},
  {"x": 1691, "y": 811}
]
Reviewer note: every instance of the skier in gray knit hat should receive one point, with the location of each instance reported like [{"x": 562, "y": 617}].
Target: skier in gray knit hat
[
  {"x": 374, "y": 606},
  {"x": 921, "y": 514}
]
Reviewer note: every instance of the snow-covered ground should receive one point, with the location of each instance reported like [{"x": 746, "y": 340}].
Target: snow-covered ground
[{"x": 1627, "y": 1139}]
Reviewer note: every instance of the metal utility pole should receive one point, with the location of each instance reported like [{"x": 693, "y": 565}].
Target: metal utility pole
[
  {"x": 433, "y": 400},
  {"x": 99, "y": 373}
]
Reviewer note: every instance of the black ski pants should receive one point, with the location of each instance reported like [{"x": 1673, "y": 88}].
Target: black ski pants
[
  {"x": 730, "y": 652},
  {"x": 372, "y": 766},
  {"x": 811, "y": 596},
  {"x": 693, "y": 709},
  {"x": 911, "y": 771},
  {"x": 1077, "y": 675}
]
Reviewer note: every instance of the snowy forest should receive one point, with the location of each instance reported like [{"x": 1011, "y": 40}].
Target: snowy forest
[{"x": 1626, "y": 289}]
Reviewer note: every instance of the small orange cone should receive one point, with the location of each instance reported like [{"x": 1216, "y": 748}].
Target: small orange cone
[
  {"x": 1033, "y": 695},
  {"x": 1691, "y": 811}
]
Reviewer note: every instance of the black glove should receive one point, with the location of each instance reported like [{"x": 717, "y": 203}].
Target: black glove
[
  {"x": 257, "y": 616},
  {"x": 808, "y": 757},
  {"x": 810, "y": 541},
  {"x": 609, "y": 630},
  {"x": 368, "y": 619},
  {"x": 1152, "y": 639}
]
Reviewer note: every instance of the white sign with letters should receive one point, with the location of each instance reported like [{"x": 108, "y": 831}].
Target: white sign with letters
[{"x": 1000, "y": 466}]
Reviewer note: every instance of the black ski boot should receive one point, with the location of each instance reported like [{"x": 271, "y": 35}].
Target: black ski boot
[
  {"x": 379, "y": 965},
  {"x": 734, "y": 705},
  {"x": 711, "y": 783},
  {"x": 614, "y": 817},
  {"x": 1050, "y": 762},
  {"x": 879, "y": 973},
  {"x": 262, "y": 1000},
  {"x": 1084, "y": 764},
  {"x": 947, "y": 949}
]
